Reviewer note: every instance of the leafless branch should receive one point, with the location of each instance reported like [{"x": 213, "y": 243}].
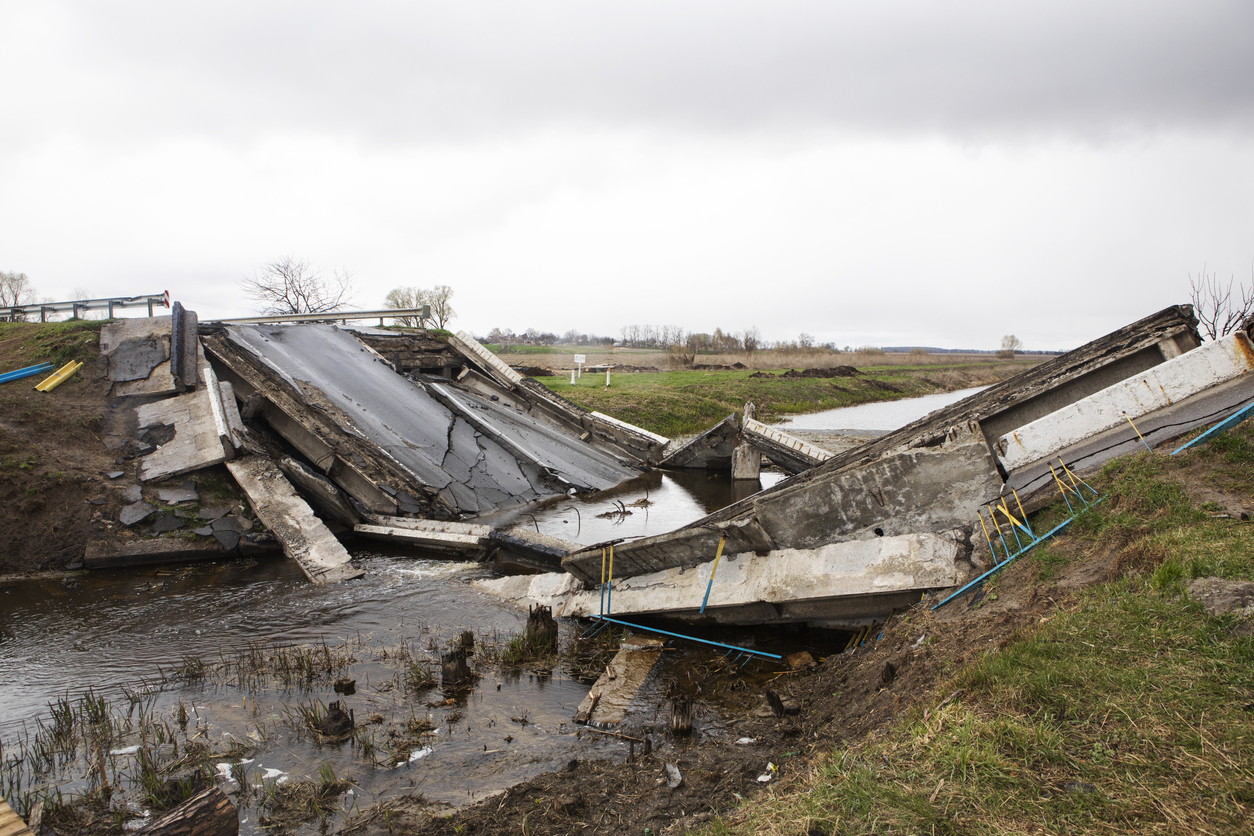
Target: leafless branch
[
  {"x": 1218, "y": 314},
  {"x": 289, "y": 286}
]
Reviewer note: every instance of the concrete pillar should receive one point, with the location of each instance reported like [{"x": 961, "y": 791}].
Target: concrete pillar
[{"x": 746, "y": 461}]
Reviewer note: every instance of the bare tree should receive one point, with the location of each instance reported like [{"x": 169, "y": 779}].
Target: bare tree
[
  {"x": 1009, "y": 345},
  {"x": 1217, "y": 312},
  {"x": 289, "y": 286},
  {"x": 406, "y": 297},
  {"x": 751, "y": 339},
  {"x": 441, "y": 308},
  {"x": 15, "y": 289}
]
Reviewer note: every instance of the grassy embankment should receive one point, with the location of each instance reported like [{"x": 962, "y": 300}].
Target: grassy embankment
[
  {"x": 1126, "y": 710},
  {"x": 679, "y": 402}
]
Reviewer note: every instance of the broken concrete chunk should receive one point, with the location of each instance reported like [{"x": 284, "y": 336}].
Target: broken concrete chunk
[
  {"x": 166, "y": 524},
  {"x": 133, "y": 493},
  {"x": 196, "y": 442},
  {"x": 115, "y": 474},
  {"x": 185, "y": 492},
  {"x": 232, "y": 523},
  {"x": 135, "y": 359},
  {"x": 213, "y": 513},
  {"x": 304, "y": 537},
  {"x": 609, "y": 698},
  {"x": 207, "y": 531},
  {"x": 227, "y": 539},
  {"x": 1219, "y": 596},
  {"x": 135, "y": 512},
  {"x": 159, "y": 382}
]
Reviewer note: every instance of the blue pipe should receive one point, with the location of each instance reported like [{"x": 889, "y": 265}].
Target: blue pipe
[
  {"x": 1228, "y": 423},
  {"x": 29, "y": 371},
  {"x": 728, "y": 647},
  {"x": 1002, "y": 565}
]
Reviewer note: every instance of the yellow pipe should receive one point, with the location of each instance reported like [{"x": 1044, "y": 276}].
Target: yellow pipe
[
  {"x": 721, "y": 540},
  {"x": 987, "y": 539},
  {"x": 1061, "y": 485},
  {"x": 1138, "y": 432},
  {"x": 59, "y": 376}
]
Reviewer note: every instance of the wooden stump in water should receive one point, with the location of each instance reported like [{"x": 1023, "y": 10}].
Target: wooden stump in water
[
  {"x": 467, "y": 642},
  {"x": 454, "y": 671},
  {"x": 541, "y": 628},
  {"x": 338, "y": 723},
  {"x": 210, "y": 813},
  {"x": 682, "y": 710}
]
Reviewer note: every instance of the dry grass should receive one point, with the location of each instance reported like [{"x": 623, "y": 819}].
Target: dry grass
[
  {"x": 1126, "y": 712},
  {"x": 562, "y": 357}
]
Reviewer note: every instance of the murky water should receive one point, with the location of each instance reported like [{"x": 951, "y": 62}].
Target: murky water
[
  {"x": 123, "y": 632},
  {"x": 875, "y": 418},
  {"x": 653, "y": 503}
]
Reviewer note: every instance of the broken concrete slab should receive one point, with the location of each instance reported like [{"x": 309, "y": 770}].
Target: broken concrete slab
[
  {"x": 396, "y": 445},
  {"x": 1035, "y": 483},
  {"x": 711, "y": 450},
  {"x": 790, "y": 453},
  {"x": 135, "y": 512},
  {"x": 164, "y": 524},
  {"x": 607, "y": 701},
  {"x": 185, "y": 492},
  {"x": 464, "y": 539},
  {"x": 303, "y": 536},
  {"x": 837, "y": 585},
  {"x": 196, "y": 443},
  {"x": 158, "y": 383},
  {"x": 536, "y": 551},
  {"x": 1129, "y": 400},
  {"x": 319, "y": 490},
  {"x": 185, "y": 352},
  {"x": 715, "y": 449},
  {"x": 915, "y": 490},
  {"x": 136, "y": 354},
  {"x": 112, "y": 553},
  {"x": 232, "y": 522}
]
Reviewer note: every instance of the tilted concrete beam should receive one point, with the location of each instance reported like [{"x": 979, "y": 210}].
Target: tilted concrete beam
[
  {"x": 838, "y": 583},
  {"x": 1169, "y": 383},
  {"x": 916, "y": 490}
]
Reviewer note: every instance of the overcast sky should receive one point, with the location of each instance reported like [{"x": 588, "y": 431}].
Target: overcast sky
[{"x": 883, "y": 172}]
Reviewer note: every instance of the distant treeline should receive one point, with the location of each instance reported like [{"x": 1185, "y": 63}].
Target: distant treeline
[{"x": 927, "y": 349}]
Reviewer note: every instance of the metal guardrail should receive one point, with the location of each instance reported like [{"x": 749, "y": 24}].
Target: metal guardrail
[
  {"x": 423, "y": 314},
  {"x": 18, "y": 313}
]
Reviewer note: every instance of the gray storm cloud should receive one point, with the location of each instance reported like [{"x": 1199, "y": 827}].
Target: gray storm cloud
[{"x": 400, "y": 72}]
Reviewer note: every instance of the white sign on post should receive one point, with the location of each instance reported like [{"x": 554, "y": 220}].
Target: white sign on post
[{"x": 580, "y": 359}]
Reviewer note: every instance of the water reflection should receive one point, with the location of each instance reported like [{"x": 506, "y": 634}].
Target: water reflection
[
  {"x": 876, "y": 418},
  {"x": 652, "y": 503}
]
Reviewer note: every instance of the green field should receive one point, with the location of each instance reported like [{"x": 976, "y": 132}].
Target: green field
[{"x": 683, "y": 402}]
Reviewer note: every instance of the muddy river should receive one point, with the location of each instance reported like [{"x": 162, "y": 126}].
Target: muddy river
[{"x": 168, "y": 645}]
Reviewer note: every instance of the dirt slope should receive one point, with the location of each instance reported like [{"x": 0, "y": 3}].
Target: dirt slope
[{"x": 53, "y": 458}]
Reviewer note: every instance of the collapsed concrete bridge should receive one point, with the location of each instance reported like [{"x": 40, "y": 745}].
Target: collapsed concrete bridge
[
  {"x": 392, "y": 436},
  {"x": 925, "y": 482}
]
